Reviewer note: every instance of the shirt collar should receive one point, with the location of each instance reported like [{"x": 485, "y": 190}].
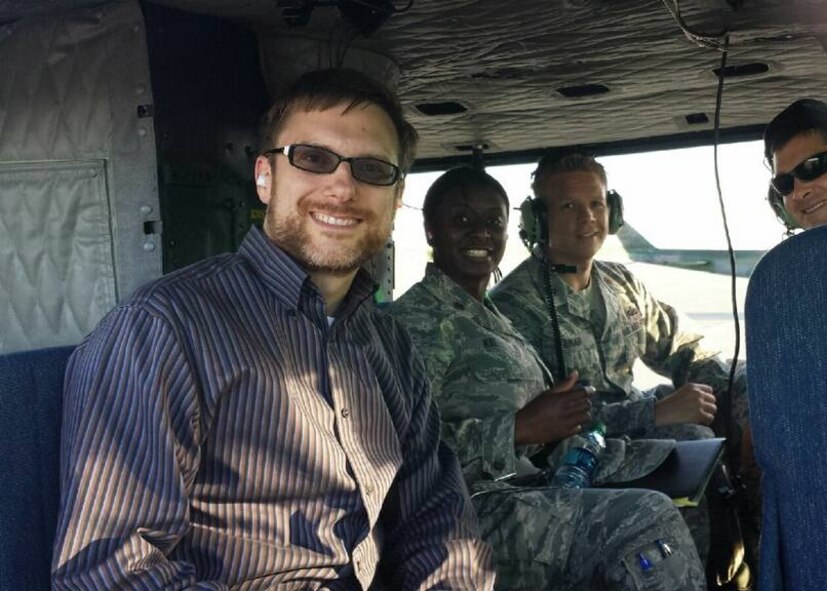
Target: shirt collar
[
  {"x": 288, "y": 280},
  {"x": 445, "y": 285},
  {"x": 461, "y": 299}
]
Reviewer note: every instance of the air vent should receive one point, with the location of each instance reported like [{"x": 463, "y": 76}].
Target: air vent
[
  {"x": 696, "y": 118},
  {"x": 437, "y": 109},
  {"x": 743, "y": 70},
  {"x": 583, "y": 90},
  {"x": 470, "y": 147}
]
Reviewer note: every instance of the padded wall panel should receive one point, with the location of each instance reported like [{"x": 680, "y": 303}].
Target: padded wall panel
[
  {"x": 76, "y": 87},
  {"x": 55, "y": 253}
]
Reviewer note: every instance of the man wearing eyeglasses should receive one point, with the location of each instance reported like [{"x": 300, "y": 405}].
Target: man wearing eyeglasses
[
  {"x": 795, "y": 146},
  {"x": 251, "y": 421}
]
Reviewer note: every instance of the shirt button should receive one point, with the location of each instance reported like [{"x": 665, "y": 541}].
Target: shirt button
[
  {"x": 345, "y": 413},
  {"x": 369, "y": 488}
]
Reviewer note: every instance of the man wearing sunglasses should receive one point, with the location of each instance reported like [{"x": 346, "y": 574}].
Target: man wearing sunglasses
[
  {"x": 795, "y": 147},
  {"x": 252, "y": 421}
]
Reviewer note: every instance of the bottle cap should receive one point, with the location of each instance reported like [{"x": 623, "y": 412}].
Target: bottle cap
[{"x": 600, "y": 427}]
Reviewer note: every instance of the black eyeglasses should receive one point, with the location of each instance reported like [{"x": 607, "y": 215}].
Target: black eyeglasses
[
  {"x": 810, "y": 169},
  {"x": 323, "y": 161}
]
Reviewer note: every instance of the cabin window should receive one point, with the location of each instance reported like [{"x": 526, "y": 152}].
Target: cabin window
[{"x": 670, "y": 200}]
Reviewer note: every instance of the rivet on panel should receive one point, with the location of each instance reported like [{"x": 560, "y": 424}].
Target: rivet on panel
[
  {"x": 140, "y": 89},
  {"x": 146, "y": 209},
  {"x": 149, "y": 246},
  {"x": 142, "y": 131}
]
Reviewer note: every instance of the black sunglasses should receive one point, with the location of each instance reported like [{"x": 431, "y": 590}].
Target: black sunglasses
[
  {"x": 810, "y": 169},
  {"x": 323, "y": 161}
]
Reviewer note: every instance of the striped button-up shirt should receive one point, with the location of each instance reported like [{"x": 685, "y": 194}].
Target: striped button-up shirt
[{"x": 219, "y": 433}]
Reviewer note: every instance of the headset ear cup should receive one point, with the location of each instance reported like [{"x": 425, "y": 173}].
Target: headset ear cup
[
  {"x": 777, "y": 205},
  {"x": 615, "y": 205},
  {"x": 533, "y": 222},
  {"x": 541, "y": 215},
  {"x": 528, "y": 227}
]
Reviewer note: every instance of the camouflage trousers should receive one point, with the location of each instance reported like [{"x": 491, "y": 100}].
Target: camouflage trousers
[
  {"x": 622, "y": 539},
  {"x": 697, "y": 518},
  {"x": 748, "y": 503}
]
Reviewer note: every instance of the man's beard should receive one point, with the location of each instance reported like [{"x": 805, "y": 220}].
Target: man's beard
[{"x": 291, "y": 235}]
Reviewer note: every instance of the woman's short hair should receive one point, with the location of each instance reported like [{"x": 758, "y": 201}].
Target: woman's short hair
[{"x": 464, "y": 179}]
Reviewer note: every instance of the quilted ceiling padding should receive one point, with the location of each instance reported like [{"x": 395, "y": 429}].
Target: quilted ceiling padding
[
  {"x": 504, "y": 60},
  {"x": 655, "y": 76}
]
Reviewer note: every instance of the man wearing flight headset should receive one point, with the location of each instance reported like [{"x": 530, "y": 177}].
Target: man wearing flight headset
[
  {"x": 596, "y": 318},
  {"x": 795, "y": 147}
]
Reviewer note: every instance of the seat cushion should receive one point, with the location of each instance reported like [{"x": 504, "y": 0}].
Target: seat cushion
[{"x": 31, "y": 392}]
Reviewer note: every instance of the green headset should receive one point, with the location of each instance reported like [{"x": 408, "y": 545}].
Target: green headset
[
  {"x": 777, "y": 205},
  {"x": 534, "y": 218}
]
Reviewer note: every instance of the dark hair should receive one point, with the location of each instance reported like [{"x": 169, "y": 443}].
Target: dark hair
[
  {"x": 464, "y": 179},
  {"x": 802, "y": 117},
  {"x": 557, "y": 162},
  {"x": 324, "y": 89}
]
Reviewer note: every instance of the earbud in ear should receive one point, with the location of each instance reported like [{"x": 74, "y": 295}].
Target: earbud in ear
[{"x": 261, "y": 181}]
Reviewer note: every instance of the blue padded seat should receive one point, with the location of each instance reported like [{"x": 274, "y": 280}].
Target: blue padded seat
[
  {"x": 786, "y": 328},
  {"x": 31, "y": 394}
]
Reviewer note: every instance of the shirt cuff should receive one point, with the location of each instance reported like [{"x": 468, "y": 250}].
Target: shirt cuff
[{"x": 630, "y": 417}]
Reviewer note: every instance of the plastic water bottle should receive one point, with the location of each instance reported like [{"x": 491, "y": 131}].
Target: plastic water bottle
[{"x": 580, "y": 463}]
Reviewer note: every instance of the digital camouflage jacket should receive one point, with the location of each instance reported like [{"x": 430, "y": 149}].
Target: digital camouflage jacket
[{"x": 633, "y": 325}]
